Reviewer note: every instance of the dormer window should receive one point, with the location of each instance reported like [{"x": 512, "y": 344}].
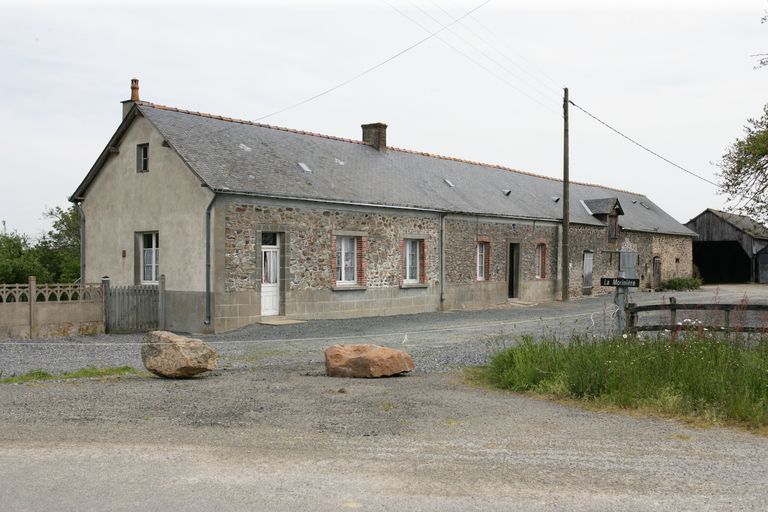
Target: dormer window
[
  {"x": 142, "y": 158},
  {"x": 606, "y": 210}
]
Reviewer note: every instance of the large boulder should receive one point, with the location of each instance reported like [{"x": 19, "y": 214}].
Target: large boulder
[
  {"x": 365, "y": 361},
  {"x": 177, "y": 357}
]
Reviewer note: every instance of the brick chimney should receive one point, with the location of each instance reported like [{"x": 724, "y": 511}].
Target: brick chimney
[
  {"x": 128, "y": 104},
  {"x": 375, "y": 134}
]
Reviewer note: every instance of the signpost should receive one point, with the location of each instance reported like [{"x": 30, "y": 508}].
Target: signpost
[
  {"x": 623, "y": 282},
  {"x": 627, "y": 261}
]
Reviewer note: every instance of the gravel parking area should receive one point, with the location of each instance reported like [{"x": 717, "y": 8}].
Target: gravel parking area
[{"x": 270, "y": 432}]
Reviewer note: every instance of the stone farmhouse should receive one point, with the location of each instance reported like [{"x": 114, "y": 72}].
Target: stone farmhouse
[{"x": 248, "y": 220}]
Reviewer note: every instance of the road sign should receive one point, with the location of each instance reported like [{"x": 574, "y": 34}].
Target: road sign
[{"x": 619, "y": 281}]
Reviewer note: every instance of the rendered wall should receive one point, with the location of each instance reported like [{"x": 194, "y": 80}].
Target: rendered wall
[{"x": 168, "y": 199}]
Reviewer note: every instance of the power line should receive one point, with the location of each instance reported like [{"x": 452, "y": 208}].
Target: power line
[
  {"x": 649, "y": 150},
  {"x": 470, "y": 58},
  {"x": 533, "y": 65},
  {"x": 489, "y": 44},
  {"x": 479, "y": 50},
  {"x": 372, "y": 68}
]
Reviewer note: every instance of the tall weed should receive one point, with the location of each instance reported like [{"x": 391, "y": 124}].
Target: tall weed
[{"x": 718, "y": 378}]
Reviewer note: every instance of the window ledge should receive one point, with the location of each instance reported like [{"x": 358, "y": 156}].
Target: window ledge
[
  {"x": 414, "y": 285},
  {"x": 348, "y": 288}
]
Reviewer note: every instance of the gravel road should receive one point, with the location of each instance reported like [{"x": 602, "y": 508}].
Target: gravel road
[
  {"x": 269, "y": 432},
  {"x": 437, "y": 341}
]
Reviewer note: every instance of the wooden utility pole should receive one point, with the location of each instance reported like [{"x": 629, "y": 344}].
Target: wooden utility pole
[{"x": 566, "y": 198}]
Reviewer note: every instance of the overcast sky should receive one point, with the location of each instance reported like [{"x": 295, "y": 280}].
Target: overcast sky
[{"x": 680, "y": 80}]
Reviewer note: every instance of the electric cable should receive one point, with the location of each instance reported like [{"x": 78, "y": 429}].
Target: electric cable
[{"x": 372, "y": 68}]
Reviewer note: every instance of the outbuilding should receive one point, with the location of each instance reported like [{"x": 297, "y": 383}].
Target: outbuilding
[{"x": 730, "y": 248}]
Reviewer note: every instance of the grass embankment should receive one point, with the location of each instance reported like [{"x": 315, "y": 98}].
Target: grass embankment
[
  {"x": 717, "y": 380},
  {"x": 89, "y": 371}
]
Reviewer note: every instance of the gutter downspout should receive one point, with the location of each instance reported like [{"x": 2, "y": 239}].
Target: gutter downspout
[
  {"x": 208, "y": 260},
  {"x": 81, "y": 217},
  {"x": 442, "y": 259}
]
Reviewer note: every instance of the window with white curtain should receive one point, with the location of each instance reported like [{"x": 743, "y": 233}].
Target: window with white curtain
[
  {"x": 150, "y": 258},
  {"x": 411, "y": 248},
  {"x": 346, "y": 260}
]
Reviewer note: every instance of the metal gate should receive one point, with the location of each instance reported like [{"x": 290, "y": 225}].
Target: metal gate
[{"x": 132, "y": 308}]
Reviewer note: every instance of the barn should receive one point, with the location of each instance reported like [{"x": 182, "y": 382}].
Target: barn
[{"x": 730, "y": 248}]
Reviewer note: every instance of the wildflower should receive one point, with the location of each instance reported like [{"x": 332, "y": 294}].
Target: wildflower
[{"x": 625, "y": 336}]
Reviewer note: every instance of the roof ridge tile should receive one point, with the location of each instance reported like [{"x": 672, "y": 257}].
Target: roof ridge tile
[{"x": 245, "y": 121}]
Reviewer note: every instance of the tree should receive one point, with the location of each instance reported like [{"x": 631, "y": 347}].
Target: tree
[
  {"x": 55, "y": 258},
  {"x": 60, "y": 248},
  {"x": 18, "y": 260},
  {"x": 744, "y": 170}
]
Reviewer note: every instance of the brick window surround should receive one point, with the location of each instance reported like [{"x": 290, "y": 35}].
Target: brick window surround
[
  {"x": 421, "y": 263},
  {"x": 361, "y": 248}
]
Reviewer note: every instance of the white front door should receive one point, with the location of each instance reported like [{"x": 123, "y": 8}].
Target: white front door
[{"x": 270, "y": 280}]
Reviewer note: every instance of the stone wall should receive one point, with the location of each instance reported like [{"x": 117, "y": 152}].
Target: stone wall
[
  {"x": 307, "y": 284},
  {"x": 675, "y": 253},
  {"x": 462, "y": 286}
]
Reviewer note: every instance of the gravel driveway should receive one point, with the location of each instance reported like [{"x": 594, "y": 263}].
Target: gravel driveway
[{"x": 269, "y": 432}]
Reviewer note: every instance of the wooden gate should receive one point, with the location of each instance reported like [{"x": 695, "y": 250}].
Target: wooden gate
[{"x": 133, "y": 308}]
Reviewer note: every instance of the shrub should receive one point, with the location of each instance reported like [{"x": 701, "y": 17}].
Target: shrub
[{"x": 682, "y": 284}]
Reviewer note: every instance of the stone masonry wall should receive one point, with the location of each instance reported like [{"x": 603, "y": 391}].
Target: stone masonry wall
[
  {"x": 674, "y": 251},
  {"x": 307, "y": 260},
  {"x": 676, "y": 255},
  {"x": 309, "y": 239},
  {"x": 462, "y": 287}
]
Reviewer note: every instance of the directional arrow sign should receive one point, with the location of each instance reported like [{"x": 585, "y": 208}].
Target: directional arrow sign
[{"x": 619, "y": 281}]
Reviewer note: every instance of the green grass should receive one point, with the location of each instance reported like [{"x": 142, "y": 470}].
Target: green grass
[
  {"x": 82, "y": 373},
  {"x": 717, "y": 380}
]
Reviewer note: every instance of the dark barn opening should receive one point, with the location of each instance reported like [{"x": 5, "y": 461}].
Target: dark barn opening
[{"x": 721, "y": 262}]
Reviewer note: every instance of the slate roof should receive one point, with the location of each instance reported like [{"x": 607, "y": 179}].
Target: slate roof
[
  {"x": 244, "y": 157},
  {"x": 743, "y": 223}
]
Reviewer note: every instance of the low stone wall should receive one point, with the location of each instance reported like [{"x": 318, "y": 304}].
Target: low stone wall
[{"x": 50, "y": 310}]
